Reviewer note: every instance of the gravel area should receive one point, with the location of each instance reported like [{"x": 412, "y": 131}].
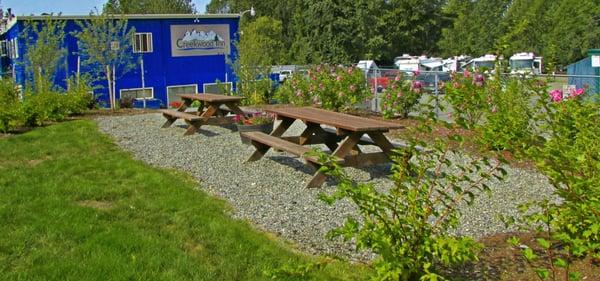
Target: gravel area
[{"x": 270, "y": 192}]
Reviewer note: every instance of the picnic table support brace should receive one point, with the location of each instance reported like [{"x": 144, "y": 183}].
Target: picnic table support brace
[{"x": 344, "y": 149}]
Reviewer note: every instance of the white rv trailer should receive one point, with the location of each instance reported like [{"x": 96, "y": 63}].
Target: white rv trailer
[{"x": 525, "y": 63}]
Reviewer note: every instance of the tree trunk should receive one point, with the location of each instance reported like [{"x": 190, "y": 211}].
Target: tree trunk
[{"x": 110, "y": 90}]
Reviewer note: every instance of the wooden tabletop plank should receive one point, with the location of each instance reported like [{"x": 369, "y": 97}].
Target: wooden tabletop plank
[
  {"x": 335, "y": 119},
  {"x": 210, "y": 97}
]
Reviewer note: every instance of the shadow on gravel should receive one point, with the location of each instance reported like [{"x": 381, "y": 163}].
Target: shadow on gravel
[{"x": 376, "y": 171}]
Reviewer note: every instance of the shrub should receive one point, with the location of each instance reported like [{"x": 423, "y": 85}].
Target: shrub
[
  {"x": 334, "y": 88},
  {"x": 567, "y": 228},
  {"x": 295, "y": 90},
  {"x": 408, "y": 226},
  {"x": 401, "y": 96},
  {"x": 508, "y": 116},
  {"x": 468, "y": 96},
  {"x": 10, "y": 105}
]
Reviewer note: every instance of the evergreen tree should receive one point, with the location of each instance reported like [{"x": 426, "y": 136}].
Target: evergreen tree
[{"x": 149, "y": 7}]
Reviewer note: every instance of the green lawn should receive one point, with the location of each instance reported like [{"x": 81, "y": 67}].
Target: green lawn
[{"x": 73, "y": 206}]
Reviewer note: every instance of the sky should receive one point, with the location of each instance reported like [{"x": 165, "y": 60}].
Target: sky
[{"x": 67, "y": 7}]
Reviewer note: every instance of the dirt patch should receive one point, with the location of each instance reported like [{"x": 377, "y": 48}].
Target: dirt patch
[
  {"x": 94, "y": 204},
  {"x": 193, "y": 247},
  {"x": 500, "y": 261}
]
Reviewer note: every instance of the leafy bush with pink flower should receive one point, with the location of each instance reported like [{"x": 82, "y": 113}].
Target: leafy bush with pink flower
[
  {"x": 295, "y": 90},
  {"x": 331, "y": 87},
  {"x": 401, "y": 96},
  {"x": 570, "y": 158},
  {"x": 468, "y": 95},
  {"x": 507, "y": 122}
]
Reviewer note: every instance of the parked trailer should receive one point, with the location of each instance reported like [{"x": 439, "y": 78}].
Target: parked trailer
[{"x": 525, "y": 63}]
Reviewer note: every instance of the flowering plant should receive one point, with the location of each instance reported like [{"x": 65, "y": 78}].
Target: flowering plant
[
  {"x": 401, "y": 96},
  {"x": 259, "y": 118},
  {"x": 175, "y": 104},
  {"x": 468, "y": 94},
  {"x": 332, "y": 87}
]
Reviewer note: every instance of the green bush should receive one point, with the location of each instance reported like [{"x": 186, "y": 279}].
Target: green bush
[
  {"x": 295, "y": 90},
  {"x": 334, "y": 88},
  {"x": 400, "y": 97},
  {"x": 468, "y": 95},
  {"x": 10, "y": 105},
  {"x": 409, "y": 225},
  {"x": 568, "y": 228},
  {"x": 508, "y": 116}
]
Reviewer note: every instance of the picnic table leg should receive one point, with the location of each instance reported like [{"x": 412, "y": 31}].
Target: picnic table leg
[
  {"x": 344, "y": 149},
  {"x": 382, "y": 142},
  {"x": 282, "y": 127},
  {"x": 193, "y": 127},
  {"x": 235, "y": 109},
  {"x": 169, "y": 122},
  {"x": 184, "y": 105},
  {"x": 260, "y": 151}
]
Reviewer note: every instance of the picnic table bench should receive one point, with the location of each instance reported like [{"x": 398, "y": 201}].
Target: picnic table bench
[
  {"x": 348, "y": 132},
  {"x": 212, "y": 111}
]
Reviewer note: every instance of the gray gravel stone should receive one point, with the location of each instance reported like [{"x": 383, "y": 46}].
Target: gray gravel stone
[{"x": 270, "y": 193}]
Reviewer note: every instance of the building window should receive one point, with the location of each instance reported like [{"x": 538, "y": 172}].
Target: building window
[
  {"x": 173, "y": 91},
  {"x": 223, "y": 88},
  {"x": 14, "y": 47},
  {"x": 142, "y": 43},
  {"x": 137, "y": 93},
  {"x": 3, "y": 48}
]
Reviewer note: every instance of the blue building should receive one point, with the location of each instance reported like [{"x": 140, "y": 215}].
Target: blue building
[{"x": 179, "y": 54}]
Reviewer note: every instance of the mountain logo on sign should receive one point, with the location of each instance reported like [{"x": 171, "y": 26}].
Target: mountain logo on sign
[{"x": 193, "y": 40}]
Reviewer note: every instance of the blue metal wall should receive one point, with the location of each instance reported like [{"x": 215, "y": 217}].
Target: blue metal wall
[
  {"x": 583, "y": 67},
  {"x": 161, "y": 68}
]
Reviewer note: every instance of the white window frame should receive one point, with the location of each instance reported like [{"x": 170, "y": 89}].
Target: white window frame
[
  {"x": 137, "y": 89},
  {"x": 180, "y": 86},
  {"x": 149, "y": 41},
  {"x": 204, "y": 85}
]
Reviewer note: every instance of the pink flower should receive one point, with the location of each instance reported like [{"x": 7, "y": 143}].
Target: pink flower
[
  {"x": 319, "y": 68},
  {"x": 299, "y": 93},
  {"x": 578, "y": 92},
  {"x": 478, "y": 79},
  {"x": 237, "y": 118},
  {"x": 416, "y": 84},
  {"x": 466, "y": 73},
  {"x": 417, "y": 72},
  {"x": 399, "y": 95},
  {"x": 350, "y": 70},
  {"x": 338, "y": 78},
  {"x": 397, "y": 78},
  {"x": 494, "y": 109},
  {"x": 352, "y": 88},
  {"x": 393, "y": 86},
  {"x": 455, "y": 85},
  {"x": 449, "y": 115},
  {"x": 321, "y": 86},
  {"x": 556, "y": 95}
]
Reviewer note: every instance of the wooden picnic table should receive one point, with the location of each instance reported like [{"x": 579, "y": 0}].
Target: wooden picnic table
[
  {"x": 341, "y": 133},
  {"x": 212, "y": 111}
]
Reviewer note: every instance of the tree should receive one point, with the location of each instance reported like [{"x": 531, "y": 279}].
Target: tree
[
  {"x": 259, "y": 47},
  {"x": 474, "y": 28},
  {"x": 574, "y": 27},
  {"x": 44, "y": 51},
  {"x": 105, "y": 44},
  {"x": 149, "y": 7}
]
